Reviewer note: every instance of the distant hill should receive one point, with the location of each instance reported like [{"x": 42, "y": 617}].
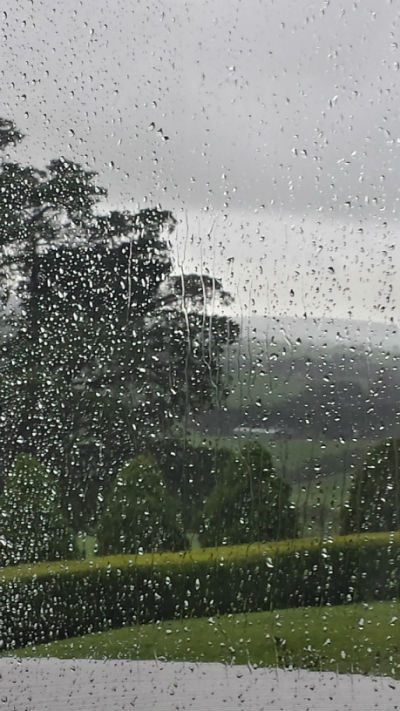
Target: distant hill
[
  {"x": 312, "y": 332},
  {"x": 312, "y": 379}
]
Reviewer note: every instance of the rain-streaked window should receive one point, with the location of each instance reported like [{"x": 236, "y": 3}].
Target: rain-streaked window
[{"x": 199, "y": 354}]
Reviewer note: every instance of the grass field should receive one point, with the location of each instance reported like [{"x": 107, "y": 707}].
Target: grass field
[{"x": 359, "y": 638}]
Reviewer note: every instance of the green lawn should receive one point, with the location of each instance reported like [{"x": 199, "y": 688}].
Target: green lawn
[{"x": 363, "y": 638}]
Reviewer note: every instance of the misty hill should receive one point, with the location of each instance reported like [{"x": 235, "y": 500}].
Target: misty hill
[
  {"x": 311, "y": 332},
  {"x": 312, "y": 379}
]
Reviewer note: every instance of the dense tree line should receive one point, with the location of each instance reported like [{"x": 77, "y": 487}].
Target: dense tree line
[{"x": 105, "y": 355}]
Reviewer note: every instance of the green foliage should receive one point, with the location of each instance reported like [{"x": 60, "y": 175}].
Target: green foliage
[
  {"x": 374, "y": 502},
  {"x": 190, "y": 472},
  {"x": 33, "y": 526},
  {"x": 140, "y": 514},
  {"x": 104, "y": 347},
  {"x": 70, "y": 599},
  {"x": 9, "y": 135},
  {"x": 249, "y": 503}
]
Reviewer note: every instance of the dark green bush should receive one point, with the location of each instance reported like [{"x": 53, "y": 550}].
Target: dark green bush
[
  {"x": 249, "y": 502},
  {"x": 50, "y": 601},
  {"x": 33, "y": 527},
  {"x": 140, "y": 515},
  {"x": 374, "y": 501},
  {"x": 190, "y": 472}
]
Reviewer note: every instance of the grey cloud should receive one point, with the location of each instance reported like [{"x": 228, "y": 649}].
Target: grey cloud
[
  {"x": 290, "y": 104},
  {"x": 295, "y": 101}
]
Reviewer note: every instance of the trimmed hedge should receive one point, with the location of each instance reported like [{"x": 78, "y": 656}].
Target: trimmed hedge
[{"x": 58, "y": 600}]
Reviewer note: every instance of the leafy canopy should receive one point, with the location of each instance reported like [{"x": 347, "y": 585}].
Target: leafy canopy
[
  {"x": 249, "y": 502},
  {"x": 33, "y": 527},
  {"x": 140, "y": 515},
  {"x": 374, "y": 501},
  {"x": 103, "y": 347}
]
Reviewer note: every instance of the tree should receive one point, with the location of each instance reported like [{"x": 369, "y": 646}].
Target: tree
[
  {"x": 137, "y": 361},
  {"x": 93, "y": 298},
  {"x": 38, "y": 210},
  {"x": 33, "y": 527},
  {"x": 104, "y": 348},
  {"x": 249, "y": 503},
  {"x": 190, "y": 342},
  {"x": 190, "y": 472},
  {"x": 140, "y": 515},
  {"x": 374, "y": 501},
  {"x": 9, "y": 135}
]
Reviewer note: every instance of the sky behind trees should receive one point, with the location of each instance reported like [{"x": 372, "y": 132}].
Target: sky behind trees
[{"x": 270, "y": 128}]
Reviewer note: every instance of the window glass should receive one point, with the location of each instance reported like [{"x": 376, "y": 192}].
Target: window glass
[{"x": 199, "y": 354}]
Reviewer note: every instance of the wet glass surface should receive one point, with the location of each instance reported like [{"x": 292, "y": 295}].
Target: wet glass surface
[{"x": 199, "y": 354}]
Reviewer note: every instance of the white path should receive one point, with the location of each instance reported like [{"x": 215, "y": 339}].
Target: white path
[{"x": 58, "y": 685}]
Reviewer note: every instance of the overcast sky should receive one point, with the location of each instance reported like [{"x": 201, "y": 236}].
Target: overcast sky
[{"x": 270, "y": 128}]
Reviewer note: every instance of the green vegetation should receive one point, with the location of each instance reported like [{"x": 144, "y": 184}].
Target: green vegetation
[
  {"x": 106, "y": 355},
  {"x": 140, "y": 515},
  {"x": 249, "y": 502},
  {"x": 318, "y": 503},
  {"x": 190, "y": 472},
  {"x": 374, "y": 501},
  {"x": 86, "y": 546},
  {"x": 320, "y": 473},
  {"x": 104, "y": 347},
  {"x": 33, "y": 526},
  {"x": 295, "y": 458},
  {"x": 302, "y": 459},
  {"x": 76, "y": 597},
  {"x": 360, "y": 638}
]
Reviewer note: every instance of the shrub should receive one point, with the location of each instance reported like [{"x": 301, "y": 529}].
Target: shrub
[
  {"x": 249, "y": 502},
  {"x": 58, "y": 600},
  {"x": 374, "y": 502},
  {"x": 140, "y": 515},
  {"x": 33, "y": 527},
  {"x": 190, "y": 472}
]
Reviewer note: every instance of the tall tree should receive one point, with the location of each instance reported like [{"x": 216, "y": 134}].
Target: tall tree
[
  {"x": 33, "y": 525},
  {"x": 38, "y": 210},
  {"x": 249, "y": 502},
  {"x": 140, "y": 515},
  {"x": 104, "y": 347},
  {"x": 374, "y": 501},
  {"x": 138, "y": 362}
]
